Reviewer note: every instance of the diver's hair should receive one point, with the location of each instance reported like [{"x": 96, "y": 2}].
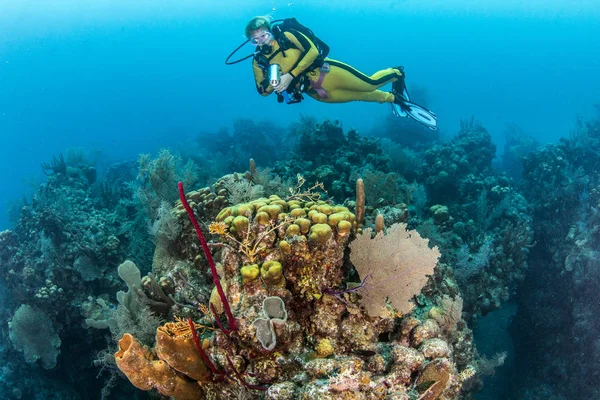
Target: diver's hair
[{"x": 257, "y": 23}]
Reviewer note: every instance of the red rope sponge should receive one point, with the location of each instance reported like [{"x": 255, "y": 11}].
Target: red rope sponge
[{"x": 213, "y": 269}]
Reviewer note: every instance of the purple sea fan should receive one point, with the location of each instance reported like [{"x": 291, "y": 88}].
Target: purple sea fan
[{"x": 398, "y": 265}]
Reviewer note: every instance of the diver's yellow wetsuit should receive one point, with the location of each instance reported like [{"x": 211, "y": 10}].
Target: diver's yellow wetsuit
[{"x": 341, "y": 83}]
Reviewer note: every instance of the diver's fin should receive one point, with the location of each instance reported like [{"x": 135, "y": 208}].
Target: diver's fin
[
  {"x": 422, "y": 116},
  {"x": 405, "y": 95},
  {"x": 399, "y": 87},
  {"x": 403, "y": 108},
  {"x": 398, "y": 111}
]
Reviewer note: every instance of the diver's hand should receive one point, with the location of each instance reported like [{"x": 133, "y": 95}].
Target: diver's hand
[{"x": 284, "y": 82}]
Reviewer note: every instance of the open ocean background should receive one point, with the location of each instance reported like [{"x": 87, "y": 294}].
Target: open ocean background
[{"x": 119, "y": 78}]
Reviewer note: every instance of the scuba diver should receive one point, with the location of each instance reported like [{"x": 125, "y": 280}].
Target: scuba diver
[{"x": 290, "y": 60}]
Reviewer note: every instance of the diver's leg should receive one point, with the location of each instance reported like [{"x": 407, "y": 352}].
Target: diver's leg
[
  {"x": 345, "y": 77},
  {"x": 344, "y": 96},
  {"x": 344, "y": 84}
]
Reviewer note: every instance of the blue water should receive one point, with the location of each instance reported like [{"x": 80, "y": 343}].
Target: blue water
[{"x": 120, "y": 78}]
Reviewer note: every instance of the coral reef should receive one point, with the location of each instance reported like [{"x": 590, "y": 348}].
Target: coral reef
[
  {"x": 325, "y": 153},
  {"x": 299, "y": 327},
  {"x": 62, "y": 253},
  {"x": 556, "y": 327},
  {"x": 477, "y": 217},
  {"x": 286, "y": 307}
]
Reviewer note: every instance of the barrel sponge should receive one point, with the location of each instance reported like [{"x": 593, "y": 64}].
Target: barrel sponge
[{"x": 32, "y": 333}]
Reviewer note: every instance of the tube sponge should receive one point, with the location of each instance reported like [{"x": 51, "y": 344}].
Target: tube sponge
[
  {"x": 180, "y": 353},
  {"x": 146, "y": 372}
]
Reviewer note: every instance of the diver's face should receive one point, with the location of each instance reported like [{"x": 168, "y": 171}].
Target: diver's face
[{"x": 261, "y": 36}]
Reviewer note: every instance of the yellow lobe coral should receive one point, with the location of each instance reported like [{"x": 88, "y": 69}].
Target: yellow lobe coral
[
  {"x": 325, "y": 209},
  {"x": 272, "y": 209},
  {"x": 292, "y": 230},
  {"x": 279, "y": 202},
  {"x": 335, "y": 219},
  {"x": 240, "y": 223},
  {"x": 297, "y": 212},
  {"x": 262, "y": 218},
  {"x": 344, "y": 228},
  {"x": 285, "y": 247},
  {"x": 226, "y": 212},
  {"x": 249, "y": 272},
  {"x": 320, "y": 233},
  {"x": 319, "y": 218},
  {"x": 146, "y": 372},
  {"x": 243, "y": 209},
  {"x": 304, "y": 225},
  {"x": 258, "y": 203},
  {"x": 272, "y": 273}
]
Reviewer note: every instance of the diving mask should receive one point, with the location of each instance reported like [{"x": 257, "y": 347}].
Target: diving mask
[{"x": 261, "y": 39}]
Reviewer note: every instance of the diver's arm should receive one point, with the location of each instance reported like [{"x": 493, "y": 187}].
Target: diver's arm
[
  {"x": 262, "y": 82},
  {"x": 309, "y": 52}
]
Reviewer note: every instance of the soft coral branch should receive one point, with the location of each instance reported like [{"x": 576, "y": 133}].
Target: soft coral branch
[
  {"x": 217, "y": 375},
  {"x": 242, "y": 380},
  {"x": 213, "y": 269}
]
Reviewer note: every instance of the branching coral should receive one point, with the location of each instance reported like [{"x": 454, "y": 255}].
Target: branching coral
[
  {"x": 310, "y": 194},
  {"x": 252, "y": 243}
]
